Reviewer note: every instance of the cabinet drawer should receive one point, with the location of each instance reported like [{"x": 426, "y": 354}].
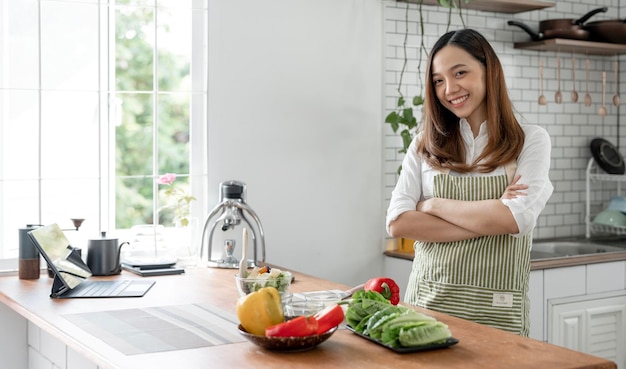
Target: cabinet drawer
[
  {"x": 604, "y": 277},
  {"x": 564, "y": 282}
]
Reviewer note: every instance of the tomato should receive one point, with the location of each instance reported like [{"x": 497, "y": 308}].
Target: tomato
[
  {"x": 297, "y": 327},
  {"x": 329, "y": 318}
]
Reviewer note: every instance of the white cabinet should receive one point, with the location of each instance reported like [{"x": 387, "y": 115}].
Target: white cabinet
[
  {"x": 13, "y": 339},
  {"x": 595, "y": 325},
  {"x": 23, "y": 345},
  {"x": 535, "y": 295},
  {"x": 585, "y": 308}
]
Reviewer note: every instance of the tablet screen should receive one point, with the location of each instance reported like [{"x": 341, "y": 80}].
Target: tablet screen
[{"x": 56, "y": 249}]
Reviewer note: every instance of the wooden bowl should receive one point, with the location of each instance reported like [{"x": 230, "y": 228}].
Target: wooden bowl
[{"x": 287, "y": 343}]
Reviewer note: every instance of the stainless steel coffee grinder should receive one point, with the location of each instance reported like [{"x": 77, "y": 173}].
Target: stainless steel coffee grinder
[{"x": 231, "y": 215}]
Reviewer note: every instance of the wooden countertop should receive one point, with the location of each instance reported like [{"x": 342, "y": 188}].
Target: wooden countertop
[{"x": 479, "y": 347}]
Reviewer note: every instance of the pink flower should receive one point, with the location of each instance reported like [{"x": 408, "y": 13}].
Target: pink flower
[
  {"x": 166, "y": 178},
  {"x": 177, "y": 199}
]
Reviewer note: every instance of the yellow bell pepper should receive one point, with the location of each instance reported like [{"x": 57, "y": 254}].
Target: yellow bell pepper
[{"x": 259, "y": 310}]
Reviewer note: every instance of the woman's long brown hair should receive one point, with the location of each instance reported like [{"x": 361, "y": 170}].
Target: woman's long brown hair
[{"x": 441, "y": 145}]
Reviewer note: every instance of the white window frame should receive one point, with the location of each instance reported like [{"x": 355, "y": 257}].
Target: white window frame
[{"x": 106, "y": 190}]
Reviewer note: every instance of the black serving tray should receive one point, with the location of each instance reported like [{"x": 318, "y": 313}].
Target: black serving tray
[{"x": 403, "y": 350}]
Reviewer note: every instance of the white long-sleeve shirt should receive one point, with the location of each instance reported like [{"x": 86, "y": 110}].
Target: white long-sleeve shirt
[{"x": 533, "y": 164}]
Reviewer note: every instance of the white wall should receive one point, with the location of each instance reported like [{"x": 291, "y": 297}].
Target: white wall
[{"x": 295, "y": 112}]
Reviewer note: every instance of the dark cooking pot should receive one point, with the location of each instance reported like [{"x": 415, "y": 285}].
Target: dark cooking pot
[
  {"x": 560, "y": 28},
  {"x": 567, "y": 23},
  {"x": 572, "y": 33},
  {"x": 613, "y": 31}
]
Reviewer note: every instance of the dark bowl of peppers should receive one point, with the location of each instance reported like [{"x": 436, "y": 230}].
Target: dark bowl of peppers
[{"x": 291, "y": 344}]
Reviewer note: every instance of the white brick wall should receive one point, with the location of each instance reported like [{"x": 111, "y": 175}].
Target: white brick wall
[{"x": 571, "y": 125}]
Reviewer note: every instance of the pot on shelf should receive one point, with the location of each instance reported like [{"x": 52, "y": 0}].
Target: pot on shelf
[
  {"x": 569, "y": 33},
  {"x": 560, "y": 28},
  {"x": 612, "y": 31},
  {"x": 568, "y": 23}
]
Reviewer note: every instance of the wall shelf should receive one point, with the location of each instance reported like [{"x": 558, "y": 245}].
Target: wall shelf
[
  {"x": 575, "y": 46},
  {"x": 496, "y": 6}
]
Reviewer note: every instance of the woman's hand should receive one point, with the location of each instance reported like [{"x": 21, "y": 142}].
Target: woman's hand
[
  {"x": 514, "y": 190},
  {"x": 423, "y": 205}
]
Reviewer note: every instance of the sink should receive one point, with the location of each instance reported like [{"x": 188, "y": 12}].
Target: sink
[{"x": 543, "y": 250}]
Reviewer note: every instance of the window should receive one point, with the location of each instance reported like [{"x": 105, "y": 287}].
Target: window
[{"x": 97, "y": 99}]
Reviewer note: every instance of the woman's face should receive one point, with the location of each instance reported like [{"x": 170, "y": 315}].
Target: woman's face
[{"x": 459, "y": 81}]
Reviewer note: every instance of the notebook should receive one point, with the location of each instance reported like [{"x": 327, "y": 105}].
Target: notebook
[{"x": 71, "y": 274}]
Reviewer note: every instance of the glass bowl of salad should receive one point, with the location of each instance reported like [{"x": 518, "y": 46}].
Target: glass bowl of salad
[{"x": 261, "y": 277}]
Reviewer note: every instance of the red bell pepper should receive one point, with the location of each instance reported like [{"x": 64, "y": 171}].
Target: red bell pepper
[
  {"x": 386, "y": 287},
  {"x": 329, "y": 318},
  {"x": 297, "y": 327}
]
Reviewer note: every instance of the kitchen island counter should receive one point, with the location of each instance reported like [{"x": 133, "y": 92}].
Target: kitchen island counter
[{"x": 479, "y": 346}]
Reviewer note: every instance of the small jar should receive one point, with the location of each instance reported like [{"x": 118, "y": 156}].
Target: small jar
[{"x": 29, "y": 260}]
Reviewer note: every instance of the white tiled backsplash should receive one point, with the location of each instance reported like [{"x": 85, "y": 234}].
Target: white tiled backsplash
[{"x": 571, "y": 125}]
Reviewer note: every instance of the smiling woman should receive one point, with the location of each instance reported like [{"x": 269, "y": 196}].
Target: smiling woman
[
  {"x": 472, "y": 186},
  {"x": 96, "y": 102}
]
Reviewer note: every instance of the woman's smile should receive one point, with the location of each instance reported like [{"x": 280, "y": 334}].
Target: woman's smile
[{"x": 457, "y": 102}]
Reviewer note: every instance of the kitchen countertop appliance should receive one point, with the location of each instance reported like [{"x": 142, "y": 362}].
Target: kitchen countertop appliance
[{"x": 231, "y": 213}]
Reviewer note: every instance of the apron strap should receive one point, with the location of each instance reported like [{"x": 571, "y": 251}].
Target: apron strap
[{"x": 510, "y": 169}]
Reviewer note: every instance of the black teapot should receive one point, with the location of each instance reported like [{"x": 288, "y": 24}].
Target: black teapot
[{"x": 103, "y": 255}]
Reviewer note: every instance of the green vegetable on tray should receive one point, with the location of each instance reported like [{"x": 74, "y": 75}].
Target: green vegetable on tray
[{"x": 370, "y": 314}]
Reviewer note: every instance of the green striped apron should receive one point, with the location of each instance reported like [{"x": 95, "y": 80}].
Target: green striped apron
[{"x": 484, "y": 279}]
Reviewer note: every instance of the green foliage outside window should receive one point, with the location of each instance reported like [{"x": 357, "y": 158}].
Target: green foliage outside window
[{"x": 135, "y": 99}]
